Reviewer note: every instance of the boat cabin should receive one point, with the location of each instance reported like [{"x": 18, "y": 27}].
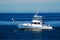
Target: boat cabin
[{"x": 37, "y": 20}]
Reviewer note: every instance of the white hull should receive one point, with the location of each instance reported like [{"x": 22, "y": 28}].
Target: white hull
[{"x": 36, "y": 26}]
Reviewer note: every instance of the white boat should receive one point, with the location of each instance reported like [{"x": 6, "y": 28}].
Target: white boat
[{"x": 36, "y": 23}]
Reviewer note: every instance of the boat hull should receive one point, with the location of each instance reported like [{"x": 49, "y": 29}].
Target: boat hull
[{"x": 35, "y": 26}]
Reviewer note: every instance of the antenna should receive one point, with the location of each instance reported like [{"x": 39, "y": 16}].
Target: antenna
[
  {"x": 36, "y": 15},
  {"x": 37, "y": 11}
]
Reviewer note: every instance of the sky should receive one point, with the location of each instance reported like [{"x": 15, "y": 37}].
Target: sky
[{"x": 29, "y": 6}]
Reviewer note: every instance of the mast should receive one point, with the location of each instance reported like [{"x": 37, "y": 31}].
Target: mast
[{"x": 37, "y": 11}]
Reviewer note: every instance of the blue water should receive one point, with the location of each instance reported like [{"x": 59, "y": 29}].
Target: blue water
[{"x": 12, "y": 32}]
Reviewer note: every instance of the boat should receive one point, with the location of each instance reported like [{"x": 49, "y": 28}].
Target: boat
[{"x": 37, "y": 22}]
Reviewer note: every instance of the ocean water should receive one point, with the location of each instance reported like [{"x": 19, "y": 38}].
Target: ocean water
[{"x": 11, "y": 31}]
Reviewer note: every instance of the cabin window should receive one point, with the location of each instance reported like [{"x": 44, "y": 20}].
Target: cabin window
[{"x": 36, "y": 23}]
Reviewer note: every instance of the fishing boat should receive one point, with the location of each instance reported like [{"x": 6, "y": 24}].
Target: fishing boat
[{"x": 37, "y": 22}]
